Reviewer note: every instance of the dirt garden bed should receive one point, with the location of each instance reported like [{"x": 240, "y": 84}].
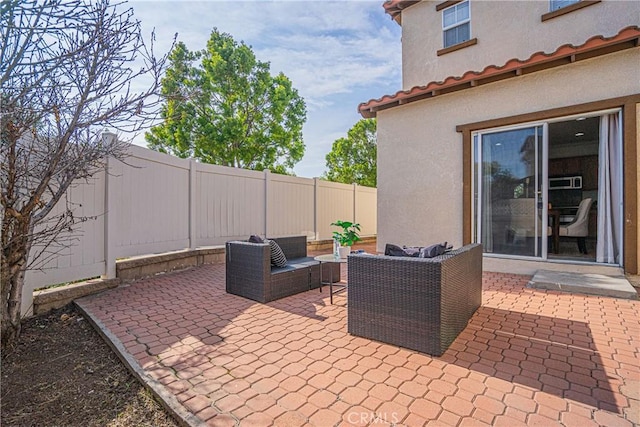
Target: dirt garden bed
[{"x": 62, "y": 373}]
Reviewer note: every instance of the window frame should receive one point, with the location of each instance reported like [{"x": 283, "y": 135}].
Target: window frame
[
  {"x": 455, "y": 25},
  {"x": 568, "y": 9},
  {"x": 551, "y": 4}
]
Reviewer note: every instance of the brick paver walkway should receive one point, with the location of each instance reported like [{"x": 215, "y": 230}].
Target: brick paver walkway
[{"x": 528, "y": 357}]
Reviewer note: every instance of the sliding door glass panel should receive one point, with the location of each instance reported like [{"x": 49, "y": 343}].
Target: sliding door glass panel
[{"x": 509, "y": 205}]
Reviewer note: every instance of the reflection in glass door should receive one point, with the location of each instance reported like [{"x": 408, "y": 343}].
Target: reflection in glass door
[{"x": 510, "y": 204}]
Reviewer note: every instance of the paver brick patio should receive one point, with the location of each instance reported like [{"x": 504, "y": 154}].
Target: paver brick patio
[{"x": 528, "y": 357}]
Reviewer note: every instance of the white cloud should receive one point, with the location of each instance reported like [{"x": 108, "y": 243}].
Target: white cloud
[{"x": 334, "y": 53}]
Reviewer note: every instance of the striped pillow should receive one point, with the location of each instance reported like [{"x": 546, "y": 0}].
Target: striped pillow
[{"x": 277, "y": 256}]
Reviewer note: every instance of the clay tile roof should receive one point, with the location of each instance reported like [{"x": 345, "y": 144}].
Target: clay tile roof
[
  {"x": 627, "y": 38},
  {"x": 394, "y": 7}
]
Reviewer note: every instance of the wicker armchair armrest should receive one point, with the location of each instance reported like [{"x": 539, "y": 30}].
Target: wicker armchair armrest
[
  {"x": 253, "y": 256},
  {"x": 248, "y": 269}
]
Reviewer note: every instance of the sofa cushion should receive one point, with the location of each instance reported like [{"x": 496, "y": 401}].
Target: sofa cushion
[
  {"x": 302, "y": 262},
  {"x": 295, "y": 264},
  {"x": 277, "y": 256}
]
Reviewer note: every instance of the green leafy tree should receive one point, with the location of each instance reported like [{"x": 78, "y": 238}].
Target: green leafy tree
[
  {"x": 352, "y": 160},
  {"x": 224, "y": 107}
]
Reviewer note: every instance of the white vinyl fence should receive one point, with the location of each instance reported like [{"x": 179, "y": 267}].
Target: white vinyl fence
[{"x": 154, "y": 203}]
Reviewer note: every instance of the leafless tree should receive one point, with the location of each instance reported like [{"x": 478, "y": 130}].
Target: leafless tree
[{"x": 68, "y": 70}]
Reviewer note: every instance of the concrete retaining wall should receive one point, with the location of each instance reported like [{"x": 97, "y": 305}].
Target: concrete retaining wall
[{"x": 127, "y": 270}]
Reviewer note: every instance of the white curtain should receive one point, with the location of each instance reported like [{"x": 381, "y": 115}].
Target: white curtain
[
  {"x": 487, "y": 205},
  {"x": 608, "y": 247}
]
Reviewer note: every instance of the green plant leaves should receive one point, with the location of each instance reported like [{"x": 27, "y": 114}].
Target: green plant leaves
[{"x": 349, "y": 234}]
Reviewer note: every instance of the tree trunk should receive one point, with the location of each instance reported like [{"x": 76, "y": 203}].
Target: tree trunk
[{"x": 16, "y": 243}]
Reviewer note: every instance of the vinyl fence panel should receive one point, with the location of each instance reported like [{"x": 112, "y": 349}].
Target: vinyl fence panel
[
  {"x": 150, "y": 203},
  {"x": 153, "y": 203},
  {"x": 229, "y": 203},
  {"x": 78, "y": 254},
  {"x": 290, "y": 206},
  {"x": 366, "y": 214},
  {"x": 335, "y": 202}
]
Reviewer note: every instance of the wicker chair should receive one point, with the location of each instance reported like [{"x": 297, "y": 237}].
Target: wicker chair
[
  {"x": 249, "y": 272},
  {"x": 417, "y": 303}
]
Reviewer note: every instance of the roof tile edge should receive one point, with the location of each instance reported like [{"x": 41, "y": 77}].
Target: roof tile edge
[{"x": 470, "y": 78}]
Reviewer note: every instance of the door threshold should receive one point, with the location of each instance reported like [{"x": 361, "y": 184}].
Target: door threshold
[
  {"x": 590, "y": 284},
  {"x": 530, "y": 266}
]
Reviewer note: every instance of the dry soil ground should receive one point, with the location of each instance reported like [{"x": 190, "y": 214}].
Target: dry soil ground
[{"x": 62, "y": 373}]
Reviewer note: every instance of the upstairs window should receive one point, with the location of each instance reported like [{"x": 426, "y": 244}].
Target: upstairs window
[
  {"x": 456, "y": 24},
  {"x": 559, "y": 4},
  {"x": 562, "y": 7}
]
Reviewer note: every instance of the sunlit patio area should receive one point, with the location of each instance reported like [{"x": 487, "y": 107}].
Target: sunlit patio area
[{"x": 527, "y": 357}]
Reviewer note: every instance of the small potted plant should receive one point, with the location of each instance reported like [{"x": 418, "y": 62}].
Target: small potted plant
[{"x": 347, "y": 237}]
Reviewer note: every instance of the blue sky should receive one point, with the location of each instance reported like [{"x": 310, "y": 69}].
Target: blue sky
[{"x": 337, "y": 54}]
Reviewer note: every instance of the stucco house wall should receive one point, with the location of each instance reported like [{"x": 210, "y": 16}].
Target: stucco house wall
[
  {"x": 420, "y": 182},
  {"x": 504, "y": 30}
]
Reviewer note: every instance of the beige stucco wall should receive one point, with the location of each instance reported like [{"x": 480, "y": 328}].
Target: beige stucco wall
[
  {"x": 420, "y": 152},
  {"x": 505, "y": 30}
]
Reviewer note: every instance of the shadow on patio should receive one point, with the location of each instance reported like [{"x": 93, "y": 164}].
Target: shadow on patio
[{"x": 556, "y": 356}]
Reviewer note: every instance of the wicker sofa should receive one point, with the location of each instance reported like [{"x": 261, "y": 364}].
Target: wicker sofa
[
  {"x": 249, "y": 272},
  {"x": 417, "y": 303}
]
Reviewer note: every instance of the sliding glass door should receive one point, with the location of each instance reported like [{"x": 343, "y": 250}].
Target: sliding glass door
[
  {"x": 517, "y": 214},
  {"x": 510, "y": 197}
]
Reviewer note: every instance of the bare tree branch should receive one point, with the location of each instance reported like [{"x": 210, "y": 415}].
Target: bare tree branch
[{"x": 67, "y": 69}]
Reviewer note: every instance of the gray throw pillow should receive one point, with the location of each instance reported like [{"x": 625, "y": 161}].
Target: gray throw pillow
[
  {"x": 255, "y": 239},
  {"x": 417, "y": 251},
  {"x": 277, "y": 256},
  {"x": 395, "y": 250},
  {"x": 434, "y": 250}
]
